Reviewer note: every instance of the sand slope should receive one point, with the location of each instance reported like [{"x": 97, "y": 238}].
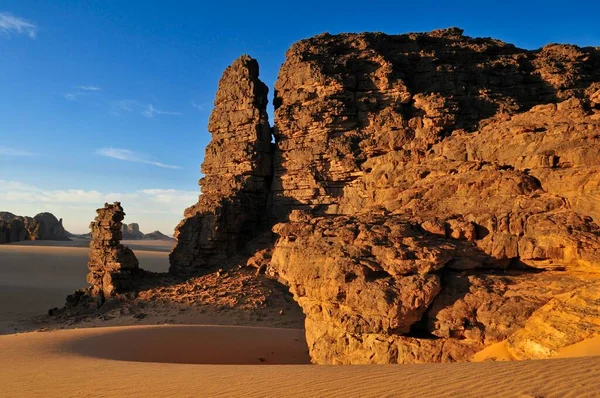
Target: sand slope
[
  {"x": 37, "y": 276},
  {"x": 190, "y": 361},
  {"x": 66, "y": 363}
]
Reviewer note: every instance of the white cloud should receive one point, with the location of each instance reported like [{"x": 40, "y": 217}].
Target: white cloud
[
  {"x": 150, "y": 111},
  {"x": 200, "y": 106},
  {"x": 153, "y": 208},
  {"x": 81, "y": 91},
  {"x": 118, "y": 108},
  {"x": 6, "y": 151},
  {"x": 9, "y": 24},
  {"x": 131, "y": 156},
  {"x": 89, "y": 88}
]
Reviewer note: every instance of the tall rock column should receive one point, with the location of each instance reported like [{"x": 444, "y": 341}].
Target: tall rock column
[
  {"x": 112, "y": 265},
  {"x": 237, "y": 169}
]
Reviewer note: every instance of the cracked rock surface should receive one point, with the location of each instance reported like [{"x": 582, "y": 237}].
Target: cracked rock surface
[
  {"x": 431, "y": 194},
  {"x": 112, "y": 265}
]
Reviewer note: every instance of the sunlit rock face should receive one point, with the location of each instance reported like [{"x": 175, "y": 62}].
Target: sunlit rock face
[
  {"x": 112, "y": 265},
  {"x": 431, "y": 194},
  {"x": 237, "y": 174}
]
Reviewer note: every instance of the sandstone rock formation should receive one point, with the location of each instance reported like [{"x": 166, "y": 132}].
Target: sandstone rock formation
[
  {"x": 132, "y": 231},
  {"x": 431, "y": 194},
  {"x": 43, "y": 226},
  {"x": 237, "y": 168},
  {"x": 112, "y": 265}
]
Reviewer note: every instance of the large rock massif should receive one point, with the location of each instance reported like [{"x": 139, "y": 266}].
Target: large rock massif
[
  {"x": 43, "y": 226},
  {"x": 430, "y": 194}
]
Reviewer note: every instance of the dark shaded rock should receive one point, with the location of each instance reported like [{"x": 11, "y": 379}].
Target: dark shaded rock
[
  {"x": 44, "y": 226},
  {"x": 132, "y": 232}
]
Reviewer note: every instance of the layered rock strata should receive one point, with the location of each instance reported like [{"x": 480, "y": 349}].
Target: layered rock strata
[
  {"x": 432, "y": 194},
  {"x": 112, "y": 265},
  {"x": 237, "y": 166}
]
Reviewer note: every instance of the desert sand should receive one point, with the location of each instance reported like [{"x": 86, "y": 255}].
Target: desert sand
[
  {"x": 178, "y": 361},
  {"x": 204, "y": 360},
  {"x": 37, "y": 275}
]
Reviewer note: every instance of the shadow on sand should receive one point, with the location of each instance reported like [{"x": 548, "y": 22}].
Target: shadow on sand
[{"x": 222, "y": 345}]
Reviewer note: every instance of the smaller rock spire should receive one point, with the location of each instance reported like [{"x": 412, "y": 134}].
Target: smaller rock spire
[{"x": 112, "y": 265}]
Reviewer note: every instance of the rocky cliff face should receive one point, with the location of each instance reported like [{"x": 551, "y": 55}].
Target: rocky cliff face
[
  {"x": 237, "y": 168},
  {"x": 435, "y": 194},
  {"x": 43, "y": 226}
]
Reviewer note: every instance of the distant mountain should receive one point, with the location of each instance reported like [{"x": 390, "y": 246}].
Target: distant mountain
[
  {"x": 132, "y": 232},
  {"x": 43, "y": 226},
  {"x": 157, "y": 235}
]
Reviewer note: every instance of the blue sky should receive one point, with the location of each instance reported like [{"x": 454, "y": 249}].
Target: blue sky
[{"x": 109, "y": 100}]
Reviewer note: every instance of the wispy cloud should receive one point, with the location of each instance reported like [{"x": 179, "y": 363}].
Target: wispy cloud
[
  {"x": 121, "y": 107},
  {"x": 203, "y": 106},
  {"x": 81, "y": 90},
  {"x": 131, "y": 156},
  {"x": 12, "y": 25},
  {"x": 14, "y": 190},
  {"x": 150, "y": 111},
  {"x": 89, "y": 88},
  {"x": 153, "y": 208},
  {"x": 6, "y": 151}
]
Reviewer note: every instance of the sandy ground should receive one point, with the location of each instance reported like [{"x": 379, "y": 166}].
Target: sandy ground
[
  {"x": 152, "y": 245},
  {"x": 179, "y": 361},
  {"x": 89, "y": 359},
  {"x": 36, "y": 276}
]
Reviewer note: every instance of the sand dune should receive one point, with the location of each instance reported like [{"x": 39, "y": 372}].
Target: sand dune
[
  {"x": 226, "y": 361},
  {"x": 76, "y": 363},
  {"x": 37, "y": 277},
  {"x": 585, "y": 348},
  {"x": 499, "y": 352}
]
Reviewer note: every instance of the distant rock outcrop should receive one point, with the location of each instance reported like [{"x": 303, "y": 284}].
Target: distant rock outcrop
[
  {"x": 43, "y": 226},
  {"x": 132, "y": 232},
  {"x": 431, "y": 193},
  {"x": 112, "y": 265},
  {"x": 157, "y": 235}
]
